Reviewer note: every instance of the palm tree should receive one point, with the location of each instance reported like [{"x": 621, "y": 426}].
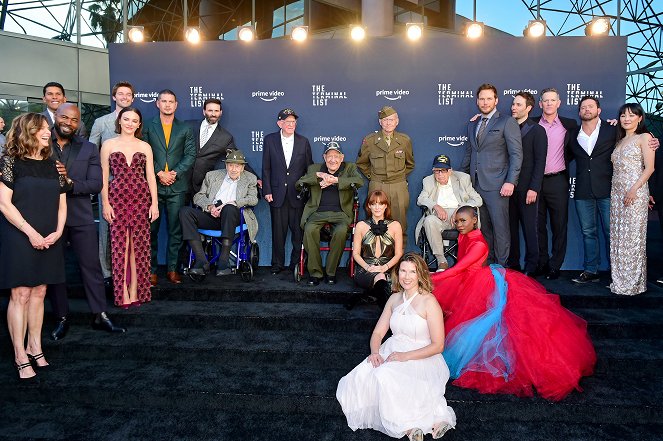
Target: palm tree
[{"x": 105, "y": 17}]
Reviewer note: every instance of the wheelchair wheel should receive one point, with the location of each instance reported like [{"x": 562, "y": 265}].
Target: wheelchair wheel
[
  {"x": 246, "y": 270},
  {"x": 254, "y": 255},
  {"x": 297, "y": 275},
  {"x": 197, "y": 277}
]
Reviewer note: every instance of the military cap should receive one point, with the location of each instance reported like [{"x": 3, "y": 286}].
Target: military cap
[
  {"x": 235, "y": 157},
  {"x": 386, "y": 111},
  {"x": 441, "y": 161},
  {"x": 333, "y": 146},
  {"x": 283, "y": 114}
]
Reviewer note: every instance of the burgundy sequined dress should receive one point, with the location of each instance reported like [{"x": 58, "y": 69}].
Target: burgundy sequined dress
[{"x": 129, "y": 195}]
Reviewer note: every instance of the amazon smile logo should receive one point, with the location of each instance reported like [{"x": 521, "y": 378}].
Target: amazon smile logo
[
  {"x": 392, "y": 95},
  {"x": 271, "y": 95},
  {"x": 453, "y": 141},
  {"x": 148, "y": 97}
]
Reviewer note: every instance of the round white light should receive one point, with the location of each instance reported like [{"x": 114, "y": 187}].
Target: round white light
[
  {"x": 300, "y": 33},
  {"x": 357, "y": 33},
  {"x": 193, "y": 35},
  {"x": 136, "y": 35},
  {"x": 600, "y": 26},
  {"x": 475, "y": 30},
  {"x": 246, "y": 34},
  {"x": 537, "y": 29},
  {"x": 414, "y": 32}
]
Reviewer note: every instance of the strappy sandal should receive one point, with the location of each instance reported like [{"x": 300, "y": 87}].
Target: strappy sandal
[
  {"x": 33, "y": 359},
  {"x": 416, "y": 435},
  {"x": 440, "y": 430},
  {"x": 20, "y": 367}
]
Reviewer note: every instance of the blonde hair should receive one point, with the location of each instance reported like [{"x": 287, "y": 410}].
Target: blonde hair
[
  {"x": 423, "y": 274},
  {"x": 22, "y": 136}
]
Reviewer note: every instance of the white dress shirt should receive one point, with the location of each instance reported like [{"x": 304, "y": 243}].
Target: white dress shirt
[
  {"x": 288, "y": 144},
  {"x": 587, "y": 142},
  {"x": 445, "y": 196},
  {"x": 203, "y": 126},
  {"x": 228, "y": 191}
]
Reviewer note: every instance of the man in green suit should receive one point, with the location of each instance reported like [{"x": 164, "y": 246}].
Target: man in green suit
[{"x": 174, "y": 151}]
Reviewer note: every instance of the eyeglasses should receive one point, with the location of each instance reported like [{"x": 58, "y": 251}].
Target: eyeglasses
[
  {"x": 290, "y": 123},
  {"x": 441, "y": 171}
]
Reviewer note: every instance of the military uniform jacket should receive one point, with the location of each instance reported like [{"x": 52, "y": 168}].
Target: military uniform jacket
[{"x": 387, "y": 163}]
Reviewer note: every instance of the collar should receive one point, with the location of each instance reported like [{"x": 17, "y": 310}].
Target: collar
[
  {"x": 489, "y": 116},
  {"x": 286, "y": 137},
  {"x": 554, "y": 121},
  {"x": 231, "y": 180}
]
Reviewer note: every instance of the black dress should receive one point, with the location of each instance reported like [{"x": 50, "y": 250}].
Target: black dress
[
  {"x": 36, "y": 189},
  {"x": 369, "y": 246}
]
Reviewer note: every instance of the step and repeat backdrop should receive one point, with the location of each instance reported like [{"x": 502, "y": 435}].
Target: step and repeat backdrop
[{"x": 337, "y": 87}]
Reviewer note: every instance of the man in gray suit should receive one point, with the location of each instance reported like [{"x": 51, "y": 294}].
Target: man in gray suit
[
  {"x": 493, "y": 157},
  {"x": 102, "y": 130},
  {"x": 443, "y": 192},
  {"x": 54, "y": 95},
  {"x": 222, "y": 194}
]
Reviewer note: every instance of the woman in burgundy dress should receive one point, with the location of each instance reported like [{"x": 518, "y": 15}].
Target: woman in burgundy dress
[
  {"x": 129, "y": 205},
  {"x": 505, "y": 332}
]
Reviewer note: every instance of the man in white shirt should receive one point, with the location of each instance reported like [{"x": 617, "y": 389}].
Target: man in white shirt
[
  {"x": 222, "y": 194},
  {"x": 54, "y": 95},
  {"x": 442, "y": 193}
]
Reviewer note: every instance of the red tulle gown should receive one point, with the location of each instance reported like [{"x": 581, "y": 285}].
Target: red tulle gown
[
  {"x": 533, "y": 342},
  {"x": 129, "y": 195}
]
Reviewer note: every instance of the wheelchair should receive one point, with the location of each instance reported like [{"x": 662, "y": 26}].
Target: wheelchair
[
  {"x": 325, "y": 236},
  {"x": 450, "y": 238},
  {"x": 244, "y": 255}
]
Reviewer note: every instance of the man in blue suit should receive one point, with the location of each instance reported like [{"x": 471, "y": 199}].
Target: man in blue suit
[
  {"x": 493, "y": 158},
  {"x": 78, "y": 161},
  {"x": 285, "y": 157}
]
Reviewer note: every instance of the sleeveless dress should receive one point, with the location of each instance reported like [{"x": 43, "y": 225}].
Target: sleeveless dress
[
  {"x": 129, "y": 195},
  {"x": 36, "y": 187},
  {"x": 368, "y": 251},
  {"x": 398, "y": 396},
  {"x": 505, "y": 332},
  {"x": 628, "y": 224}
]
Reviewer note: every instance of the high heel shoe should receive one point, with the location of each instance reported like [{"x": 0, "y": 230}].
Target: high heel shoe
[
  {"x": 20, "y": 367},
  {"x": 33, "y": 360},
  {"x": 416, "y": 435},
  {"x": 439, "y": 431},
  {"x": 135, "y": 304}
]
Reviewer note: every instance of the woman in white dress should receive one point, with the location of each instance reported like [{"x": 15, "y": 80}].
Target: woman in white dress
[{"x": 399, "y": 388}]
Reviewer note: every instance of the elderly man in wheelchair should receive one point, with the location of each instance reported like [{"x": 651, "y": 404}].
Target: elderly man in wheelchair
[
  {"x": 332, "y": 185},
  {"x": 442, "y": 193},
  {"x": 221, "y": 196}
]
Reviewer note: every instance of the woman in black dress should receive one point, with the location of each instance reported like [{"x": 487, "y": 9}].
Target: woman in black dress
[{"x": 34, "y": 205}]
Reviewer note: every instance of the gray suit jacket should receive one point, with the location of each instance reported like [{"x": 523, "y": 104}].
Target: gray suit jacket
[
  {"x": 498, "y": 157},
  {"x": 103, "y": 129},
  {"x": 247, "y": 195},
  {"x": 462, "y": 188}
]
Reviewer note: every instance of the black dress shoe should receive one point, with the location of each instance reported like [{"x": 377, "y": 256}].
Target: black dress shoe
[
  {"x": 586, "y": 277},
  {"x": 313, "y": 281},
  {"x": 552, "y": 274},
  {"x": 276, "y": 269},
  {"x": 61, "y": 329},
  {"x": 199, "y": 269},
  {"x": 103, "y": 323},
  {"x": 331, "y": 280}
]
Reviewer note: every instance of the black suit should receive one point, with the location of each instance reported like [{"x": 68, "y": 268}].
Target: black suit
[
  {"x": 84, "y": 168},
  {"x": 212, "y": 155},
  {"x": 554, "y": 200},
  {"x": 594, "y": 173},
  {"x": 535, "y": 147},
  {"x": 279, "y": 180}
]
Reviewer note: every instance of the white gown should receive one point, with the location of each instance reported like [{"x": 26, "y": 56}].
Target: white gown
[{"x": 398, "y": 396}]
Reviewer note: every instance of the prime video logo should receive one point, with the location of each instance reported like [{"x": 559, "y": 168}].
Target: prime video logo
[
  {"x": 392, "y": 95},
  {"x": 148, "y": 97},
  {"x": 453, "y": 141},
  {"x": 272, "y": 95}
]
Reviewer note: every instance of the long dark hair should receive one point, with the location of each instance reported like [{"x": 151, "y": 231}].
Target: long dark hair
[
  {"x": 378, "y": 196},
  {"x": 635, "y": 109}
]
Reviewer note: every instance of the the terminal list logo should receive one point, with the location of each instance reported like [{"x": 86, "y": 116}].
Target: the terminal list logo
[
  {"x": 453, "y": 141},
  {"x": 327, "y": 139},
  {"x": 257, "y": 137},
  {"x": 392, "y": 95},
  {"x": 268, "y": 95},
  {"x": 446, "y": 94},
  {"x": 198, "y": 96},
  {"x": 147, "y": 97},
  {"x": 513, "y": 92},
  {"x": 575, "y": 91},
  {"x": 321, "y": 95}
]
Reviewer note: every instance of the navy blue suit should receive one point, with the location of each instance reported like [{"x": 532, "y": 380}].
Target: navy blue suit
[
  {"x": 84, "y": 169},
  {"x": 279, "y": 180}
]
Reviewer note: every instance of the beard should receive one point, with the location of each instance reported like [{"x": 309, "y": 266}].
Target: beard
[{"x": 63, "y": 135}]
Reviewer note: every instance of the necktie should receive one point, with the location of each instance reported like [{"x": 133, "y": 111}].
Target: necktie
[
  {"x": 482, "y": 128},
  {"x": 206, "y": 135}
]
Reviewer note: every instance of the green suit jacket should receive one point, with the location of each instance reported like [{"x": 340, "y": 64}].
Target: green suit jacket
[
  {"x": 348, "y": 176},
  {"x": 180, "y": 154}
]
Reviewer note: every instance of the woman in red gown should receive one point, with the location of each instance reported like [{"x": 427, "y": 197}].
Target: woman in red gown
[{"x": 506, "y": 333}]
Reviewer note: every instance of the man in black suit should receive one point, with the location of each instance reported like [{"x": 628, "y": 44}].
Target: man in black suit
[
  {"x": 213, "y": 144},
  {"x": 54, "y": 95},
  {"x": 523, "y": 205},
  {"x": 554, "y": 195},
  {"x": 78, "y": 161},
  {"x": 285, "y": 157}
]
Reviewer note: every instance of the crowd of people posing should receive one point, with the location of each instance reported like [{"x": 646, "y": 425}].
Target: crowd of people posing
[{"x": 484, "y": 321}]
